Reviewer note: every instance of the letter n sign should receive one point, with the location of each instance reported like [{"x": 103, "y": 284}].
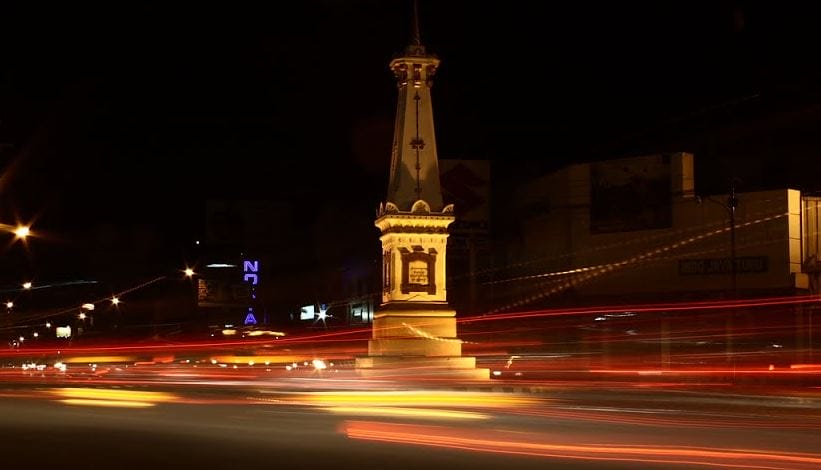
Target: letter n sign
[{"x": 251, "y": 270}]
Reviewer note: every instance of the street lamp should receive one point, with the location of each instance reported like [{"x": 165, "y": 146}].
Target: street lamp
[
  {"x": 9, "y": 304},
  {"x": 189, "y": 272},
  {"x": 27, "y": 285},
  {"x": 115, "y": 300}
]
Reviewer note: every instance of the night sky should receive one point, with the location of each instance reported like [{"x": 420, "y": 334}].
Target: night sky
[{"x": 122, "y": 120}]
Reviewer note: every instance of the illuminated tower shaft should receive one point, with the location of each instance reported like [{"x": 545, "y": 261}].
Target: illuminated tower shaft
[
  {"x": 414, "y": 163},
  {"x": 413, "y": 220}
]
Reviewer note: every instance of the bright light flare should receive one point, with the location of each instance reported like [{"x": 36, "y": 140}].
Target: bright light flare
[
  {"x": 9, "y": 304},
  {"x": 22, "y": 231},
  {"x": 115, "y": 300},
  {"x": 189, "y": 272},
  {"x": 27, "y": 285}
]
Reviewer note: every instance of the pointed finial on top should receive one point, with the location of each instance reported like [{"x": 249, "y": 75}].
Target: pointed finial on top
[
  {"x": 417, "y": 39},
  {"x": 415, "y": 48}
]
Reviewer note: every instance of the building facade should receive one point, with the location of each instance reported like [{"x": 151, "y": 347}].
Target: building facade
[{"x": 633, "y": 229}]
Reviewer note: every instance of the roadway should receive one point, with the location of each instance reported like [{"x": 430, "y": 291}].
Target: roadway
[{"x": 117, "y": 422}]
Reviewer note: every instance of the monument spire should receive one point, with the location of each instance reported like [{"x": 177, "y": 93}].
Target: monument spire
[
  {"x": 417, "y": 38},
  {"x": 414, "y": 163}
]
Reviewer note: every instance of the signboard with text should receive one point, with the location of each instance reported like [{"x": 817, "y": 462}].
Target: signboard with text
[{"x": 702, "y": 267}]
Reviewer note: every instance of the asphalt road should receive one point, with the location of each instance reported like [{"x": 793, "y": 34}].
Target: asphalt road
[{"x": 238, "y": 427}]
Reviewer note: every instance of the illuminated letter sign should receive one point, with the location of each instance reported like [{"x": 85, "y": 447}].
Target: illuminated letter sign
[{"x": 250, "y": 270}]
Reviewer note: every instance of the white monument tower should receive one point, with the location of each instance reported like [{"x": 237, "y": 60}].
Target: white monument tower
[{"x": 414, "y": 330}]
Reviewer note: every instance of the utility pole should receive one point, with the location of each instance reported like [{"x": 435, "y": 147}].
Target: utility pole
[{"x": 732, "y": 203}]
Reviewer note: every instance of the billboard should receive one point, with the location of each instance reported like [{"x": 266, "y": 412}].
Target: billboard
[
  {"x": 631, "y": 194},
  {"x": 222, "y": 293},
  {"x": 466, "y": 184}
]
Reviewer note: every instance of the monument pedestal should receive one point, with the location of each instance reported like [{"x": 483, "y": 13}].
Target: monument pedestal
[{"x": 417, "y": 341}]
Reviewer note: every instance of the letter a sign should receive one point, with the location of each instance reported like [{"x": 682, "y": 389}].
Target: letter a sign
[{"x": 250, "y": 319}]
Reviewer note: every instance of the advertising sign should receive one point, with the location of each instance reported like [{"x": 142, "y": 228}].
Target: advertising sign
[
  {"x": 631, "y": 194},
  {"x": 307, "y": 312}
]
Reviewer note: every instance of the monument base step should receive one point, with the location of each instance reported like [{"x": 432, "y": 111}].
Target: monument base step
[{"x": 409, "y": 367}]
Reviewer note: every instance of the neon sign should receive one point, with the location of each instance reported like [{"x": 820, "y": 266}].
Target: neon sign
[{"x": 250, "y": 270}]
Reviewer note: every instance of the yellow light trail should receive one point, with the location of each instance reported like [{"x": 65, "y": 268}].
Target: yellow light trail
[
  {"x": 111, "y": 398},
  {"x": 385, "y": 411}
]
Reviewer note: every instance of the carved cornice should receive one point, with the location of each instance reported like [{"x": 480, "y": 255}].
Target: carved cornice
[
  {"x": 414, "y": 222},
  {"x": 413, "y": 229}
]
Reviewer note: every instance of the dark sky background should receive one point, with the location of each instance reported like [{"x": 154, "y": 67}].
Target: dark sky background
[{"x": 123, "y": 119}]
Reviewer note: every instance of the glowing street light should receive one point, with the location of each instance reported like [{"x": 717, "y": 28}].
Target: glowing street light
[
  {"x": 21, "y": 339},
  {"x": 27, "y": 285},
  {"x": 48, "y": 324},
  {"x": 115, "y": 300},
  {"x": 22, "y": 231},
  {"x": 82, "y": 316},
  {"x": 189, "y": 272},
  {"x": 35, "y": 334},
  {"x": 9, "y": 304}
]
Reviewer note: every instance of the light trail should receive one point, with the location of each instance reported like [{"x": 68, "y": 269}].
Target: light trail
[
  {"x": 544, "y": 446},
  {"x": 646, "y": 418},
  {"x": 644, "y": 308}
]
